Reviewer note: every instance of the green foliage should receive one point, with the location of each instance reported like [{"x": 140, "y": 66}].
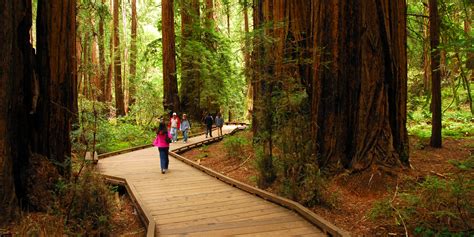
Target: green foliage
[
  {"x": 85, "y": 204},
  {"x": 436, "y": 206},
  {"x": 96, "y": 132},
  {"x": 234, "y": 146},
  {"x": 381, "y": 209},
  {"x": 117, "y": 134},
  {"x": 264, "y": 165}
]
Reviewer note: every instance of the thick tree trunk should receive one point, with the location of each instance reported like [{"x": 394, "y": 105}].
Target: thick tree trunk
[
  {"x": 133, "y": 55},
  {"x": 170, "y": 84},
  {"x": 436, "y": 76},
  {"x": 119, "y": 98},
  {"x": 15, "y": 100},
  {"x": 56, "y": 34},
  {"x": 359, "y": 98}
]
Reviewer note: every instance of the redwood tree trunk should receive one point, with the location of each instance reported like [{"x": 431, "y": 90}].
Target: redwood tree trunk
[
  {"x": 56, "y": 34},
  {"x": 15, "y": 81},
  {"x": 247, "y": 69},
  {"x": 359, "y": 98},
  {"x": 133, "y": 55},
  {"x": 101, "y": 39},
  {"x": 170, "y": 84},
  {"x": 435, "y": 75},
  {"x": 119, "y": 98}
]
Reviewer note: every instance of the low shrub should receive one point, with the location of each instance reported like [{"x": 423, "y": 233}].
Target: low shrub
[{"x": 234, "y": 146}]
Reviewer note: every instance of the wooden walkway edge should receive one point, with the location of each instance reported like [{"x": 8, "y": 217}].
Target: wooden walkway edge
[{"x": 109, "y": 169}]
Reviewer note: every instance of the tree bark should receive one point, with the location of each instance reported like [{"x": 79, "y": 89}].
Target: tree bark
[
  {"x": 247, "y": 68},
  {"x": 119, "y": 98},
  {"x": 133, "y": 55},
  {"x": 15, "y": 80},
  {"x": 436, "y": 76},
  {"x": 426, "y": 56},
  {"x": 170, "y": 84},
  {"x": 56, "y": 34},
  {"x": 360, "y": 84},
  {"x": 101, "y": 39}
]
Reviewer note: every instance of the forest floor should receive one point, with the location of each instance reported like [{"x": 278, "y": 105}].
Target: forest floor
[
  {"x": 355, "y": 193},
  {"x": 124, "y": 222}
]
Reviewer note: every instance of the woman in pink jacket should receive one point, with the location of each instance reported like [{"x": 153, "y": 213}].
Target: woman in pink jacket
[{"x": 162, "y": 141}]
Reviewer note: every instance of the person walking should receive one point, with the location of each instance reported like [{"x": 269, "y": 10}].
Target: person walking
[
  {"x": 185, "y": 128},
  {"x": 208, "y": 121},
  {"x": 162, "y": 141},
  {"x": 174, "y": 125},
  {"x": 219, "y": 124}
]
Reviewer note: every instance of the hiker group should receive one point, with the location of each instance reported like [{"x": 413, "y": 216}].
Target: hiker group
[{"x": 167, "y": 134}]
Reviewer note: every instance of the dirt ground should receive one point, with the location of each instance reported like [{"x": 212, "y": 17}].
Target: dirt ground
[
  {"x": 125, "y": 220},
  {"x": 356, "y": 193}
]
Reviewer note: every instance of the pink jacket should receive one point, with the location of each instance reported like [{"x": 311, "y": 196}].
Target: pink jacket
[{"x": 160, "y": 140}]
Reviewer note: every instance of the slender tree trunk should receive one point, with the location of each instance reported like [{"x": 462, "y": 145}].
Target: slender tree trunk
[
  {"x": 101, "y": 39},
  {"x": 436, "y": 76},
  {"x": 124, "y": 61},
  {"x": 119, "y": 98},
  {"x": 426, "y": 56},
  {"x": 359, "y": 86},
  {"x": 170, "y": 94},
  {"x": 247, "y": 69},
  {"x": 95, "y": 68},
  {"x": 470, "y": 55},
  {"x": 133, "y": 55}
]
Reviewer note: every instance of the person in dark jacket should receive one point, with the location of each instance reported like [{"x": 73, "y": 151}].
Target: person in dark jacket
[{"x": 208, "y": 121}]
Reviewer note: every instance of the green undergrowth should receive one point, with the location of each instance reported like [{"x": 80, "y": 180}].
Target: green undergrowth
[
  {"x": 434, "y": 206},
  {"x": 455, "y": 124},
  {"x": 235, "y": 145},
  {"x": 78, "y": 205}
]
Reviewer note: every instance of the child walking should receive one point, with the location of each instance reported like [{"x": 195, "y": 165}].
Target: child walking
[{"x": 162, "y": 141}]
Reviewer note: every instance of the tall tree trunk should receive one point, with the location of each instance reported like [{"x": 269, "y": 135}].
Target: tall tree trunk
[
  {"x": 133, "y": 55},
  {"x": 56, "y": 35},
  {"x": 170, "y": 84},
  {"x": 247, "y": 68},
  {"x": 359, "y": 98},
  {"x": 436, "y": 76},
  {"x": 119, "y": 98},
  {"x": 95, "y": 78},
  {"x": 426, "y": 56},
  {"x": 15, "y": 96},
  {"x": 209, "y": 13},
  {"x": 190, "y": 82},
  {"x": 124, "y": 62},
  {"x": 470, "y": 55},
  {"x": 101, "y": 39}
]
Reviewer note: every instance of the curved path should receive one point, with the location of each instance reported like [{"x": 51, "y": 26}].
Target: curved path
[{"x": 188, "y": 202}]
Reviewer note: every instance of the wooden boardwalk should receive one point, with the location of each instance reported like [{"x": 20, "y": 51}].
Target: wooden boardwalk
[{"x": 188, "y": 202}]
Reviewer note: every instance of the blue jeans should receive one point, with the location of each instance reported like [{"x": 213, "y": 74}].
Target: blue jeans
[
  {"x": 185, "y": 135},
  {"x": 174, "y": 134},
  {"x": 164, "y": 161}
]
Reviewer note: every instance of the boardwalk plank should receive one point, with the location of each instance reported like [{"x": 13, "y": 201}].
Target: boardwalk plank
[{"x": 188, "y": 202}]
